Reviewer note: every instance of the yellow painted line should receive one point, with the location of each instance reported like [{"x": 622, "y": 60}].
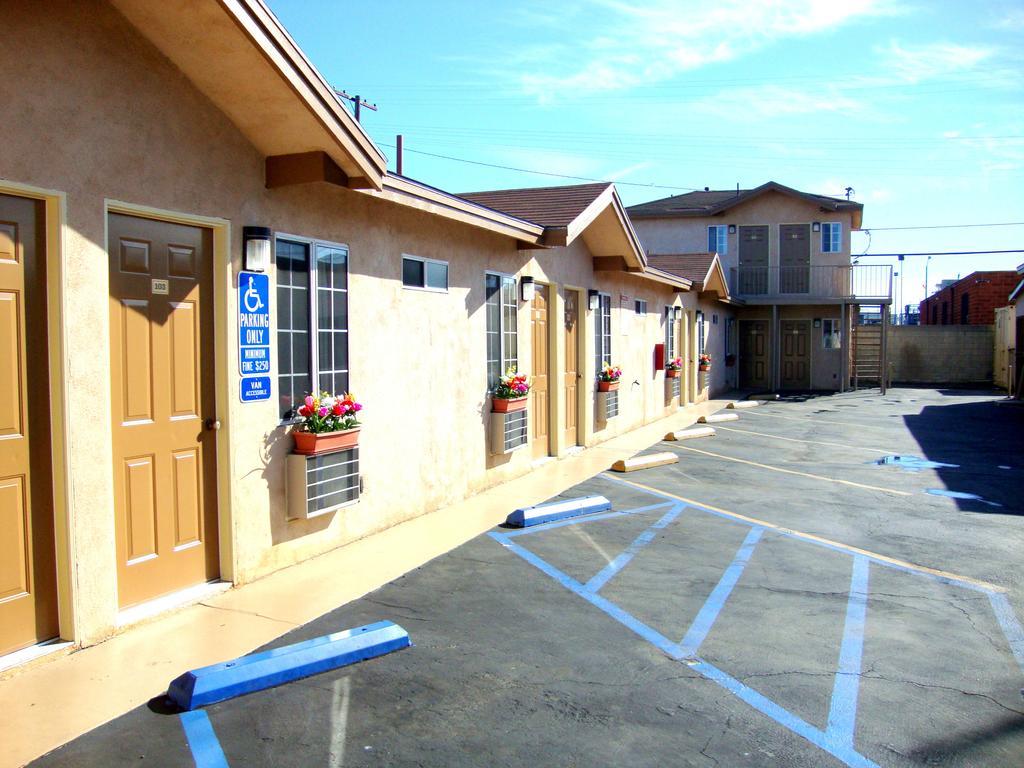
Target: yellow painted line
[
  {"x": 809, "y": 416},
  {"x": 794, "y": 472},
  {"x": 807, "y": 442},
  {"x": 813, "y": 537}
]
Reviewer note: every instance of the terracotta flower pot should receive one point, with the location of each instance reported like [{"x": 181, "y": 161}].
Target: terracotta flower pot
[
  {"x": 704, "y": 368},
  {"x": 607, "y": 386},
  {"x": 312, "y": 443},
  {"x": 672, "y": 373},
  {"x": 508, "y": 405}
]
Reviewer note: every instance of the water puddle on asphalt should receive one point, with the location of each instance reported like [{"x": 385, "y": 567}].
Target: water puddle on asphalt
[
  {"x": 961, "y": 495},
  {"x": 911, "y": 463}
]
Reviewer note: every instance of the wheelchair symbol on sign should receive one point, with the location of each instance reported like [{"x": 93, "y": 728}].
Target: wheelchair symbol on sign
[{"x": 251, "y": 298}]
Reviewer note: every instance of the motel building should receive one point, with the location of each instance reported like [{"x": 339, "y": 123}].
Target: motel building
[{"x": 194, "y": 233}]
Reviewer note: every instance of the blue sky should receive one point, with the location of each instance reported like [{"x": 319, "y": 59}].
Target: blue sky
[{"x": 919, "y": 106}]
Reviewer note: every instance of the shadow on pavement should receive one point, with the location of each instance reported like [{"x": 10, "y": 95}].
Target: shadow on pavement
[{"x": 984, "y": 440}]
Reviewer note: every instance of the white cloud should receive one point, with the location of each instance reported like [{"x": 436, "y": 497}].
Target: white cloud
[
  {"x": 628, "y": 170},
  {"x": 639, "y": 44},
  {"x": 913, "y": 64},
  {"x": 768, "y": 101},
  {"x": 1013, "y": 20}
]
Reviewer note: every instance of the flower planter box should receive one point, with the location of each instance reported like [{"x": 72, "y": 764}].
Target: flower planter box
[
  {"x": 508, "y": 405},
  {"x": 607, "y": 386},
  {"x": 704, "y": 368},
  {"x": 313, "y": 444},
  {"x": 672, "y": 373}
]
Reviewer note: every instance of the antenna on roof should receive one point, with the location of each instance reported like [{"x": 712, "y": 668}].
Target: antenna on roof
[
  {"x": 849, "y": 191},
  {"x": 357, "y": 102}
]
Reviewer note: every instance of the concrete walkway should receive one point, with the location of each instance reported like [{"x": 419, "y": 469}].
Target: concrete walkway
[{"x": 57, "y": 699}]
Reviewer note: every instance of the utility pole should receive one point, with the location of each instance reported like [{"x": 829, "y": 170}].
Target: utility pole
[
  {"x": 357, "y": 102},
  {"x": 903, "y": 309}
]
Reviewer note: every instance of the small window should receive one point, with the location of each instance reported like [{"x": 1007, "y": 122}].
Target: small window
[
  {"x": 426, "y": 274},
  {"x": 670, "y": 333},
  {"x": 603, "y": 333},
  {"x": 640, "y": 306},
  {"x": 831, "y": 237},
  {"x": 502, "y": 319},
  {"x": 718, "y": 240},
  {"x": 830, "y": 338},
  {"x": 701, "y": 332}
]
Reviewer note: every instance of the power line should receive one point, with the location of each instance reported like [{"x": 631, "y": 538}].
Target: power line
[
  {"x": 541, "y": 173},
  {"x": 869, "y": 230},
  {"x": 936, "y": 253}
]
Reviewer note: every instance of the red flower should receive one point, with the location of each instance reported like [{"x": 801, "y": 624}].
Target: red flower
[
  {"x": 303, "y": 411},
  {"x": 337, "y": 409}
]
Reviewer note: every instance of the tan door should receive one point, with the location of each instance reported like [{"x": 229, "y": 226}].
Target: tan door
[
  {"x": 28, "y": 581},
  {"x": 754, "y": 354},
  {"x": 753, "y": 260},
  {"x": 571, "y": 374},
  {"x": 539, "y": 402},
  {"x": 796, "y": 355},
  {"x": 162, "y": 398}
]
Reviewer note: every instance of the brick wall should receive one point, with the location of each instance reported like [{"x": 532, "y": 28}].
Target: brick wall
[
  {"x": 986, "y": 292},
  {"x": 941, "y": 354}
]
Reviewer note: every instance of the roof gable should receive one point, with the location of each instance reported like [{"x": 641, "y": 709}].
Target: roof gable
[{"x": 713, "y": 202}]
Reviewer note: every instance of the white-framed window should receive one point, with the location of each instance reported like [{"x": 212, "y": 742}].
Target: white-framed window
[
  {"x": 701, "y": 332},
  {"x": 640, "y": 306},
  {"x": 831, "y": 237},
  {"x": 424, "y": 274},
  {"x": 502, "y": 309},
  {"x": 602, "y": 332},
  {"x": 718, "y": 239},
  {"x": 670, "y": 333},
  {"x": 830, "y": 333},
  {"x": 312, "y": 318}
]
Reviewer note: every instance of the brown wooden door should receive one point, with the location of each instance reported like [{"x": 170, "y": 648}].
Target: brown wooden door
[
  {"x": 28, "y": 578},
  {"x": 540, "y": 402},
  {"x": 796, "y": 355},
  {"x": 753, "y": 260},
  {"x": 794, "y": 258},
  {"x": 571, "y": 374},
  {"x": 162, "y": 392},
  {"x": 754, "y": 354}
]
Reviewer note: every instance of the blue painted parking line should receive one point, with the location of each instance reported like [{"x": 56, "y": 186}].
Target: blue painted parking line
[
  {"x": 838, "y": 739},
  {"x": 620, "y": 562},
  {"x": 842, "y": 714},
  {"x": 716, "y": 600},
  {"x": 202, "y": 741},
  {"x": 1011, "y": 627}
]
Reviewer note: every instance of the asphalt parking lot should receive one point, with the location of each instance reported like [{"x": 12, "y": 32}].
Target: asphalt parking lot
[{"x": 784, "y": 595}]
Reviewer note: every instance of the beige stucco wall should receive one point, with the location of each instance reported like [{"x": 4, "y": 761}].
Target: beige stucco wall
[
  {"x": 129, "y": 127},
  {"x": 690, "y": 235}
]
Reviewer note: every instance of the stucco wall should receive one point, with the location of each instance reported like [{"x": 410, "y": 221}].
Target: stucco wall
[
  {"x": 690, "y": 235},
  {"x": 941, "y": 354},
  {"x": 129, "y": 127}
]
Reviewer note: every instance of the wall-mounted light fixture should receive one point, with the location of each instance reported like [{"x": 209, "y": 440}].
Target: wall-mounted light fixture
[
  {"x": 593, "y": 300},
  {"x": 816, "y": 226},
  {"x": 732, "y": 229},
  {"x": 527, "y": 288},
  {"x": 678, "y": 313},
  {"x": 256, "y": 248}
]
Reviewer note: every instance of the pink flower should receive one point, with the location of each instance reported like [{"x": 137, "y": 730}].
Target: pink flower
[
  {"x": 309, "y": 401},
  {"x": 322, "y": 412},
  {"x": 357, "y": 407}
]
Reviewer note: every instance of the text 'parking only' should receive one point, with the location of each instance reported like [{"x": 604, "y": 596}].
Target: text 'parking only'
[{"x": 254, "y": 336}]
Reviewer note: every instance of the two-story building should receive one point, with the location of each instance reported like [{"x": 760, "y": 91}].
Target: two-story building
[{"x": 786, "y": 255}]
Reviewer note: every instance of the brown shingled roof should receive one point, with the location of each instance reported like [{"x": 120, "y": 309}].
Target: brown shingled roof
[
  {"x": 547, "y": 206},
  {"x": 693, "y": 266},
  {"x": 710, "y": 202}
]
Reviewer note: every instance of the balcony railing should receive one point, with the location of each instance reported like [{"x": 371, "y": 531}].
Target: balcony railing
[{"x": 855, "y": 282}]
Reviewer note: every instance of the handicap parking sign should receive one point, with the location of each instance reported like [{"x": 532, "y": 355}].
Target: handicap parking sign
[{"x": 254, "y": 336}]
